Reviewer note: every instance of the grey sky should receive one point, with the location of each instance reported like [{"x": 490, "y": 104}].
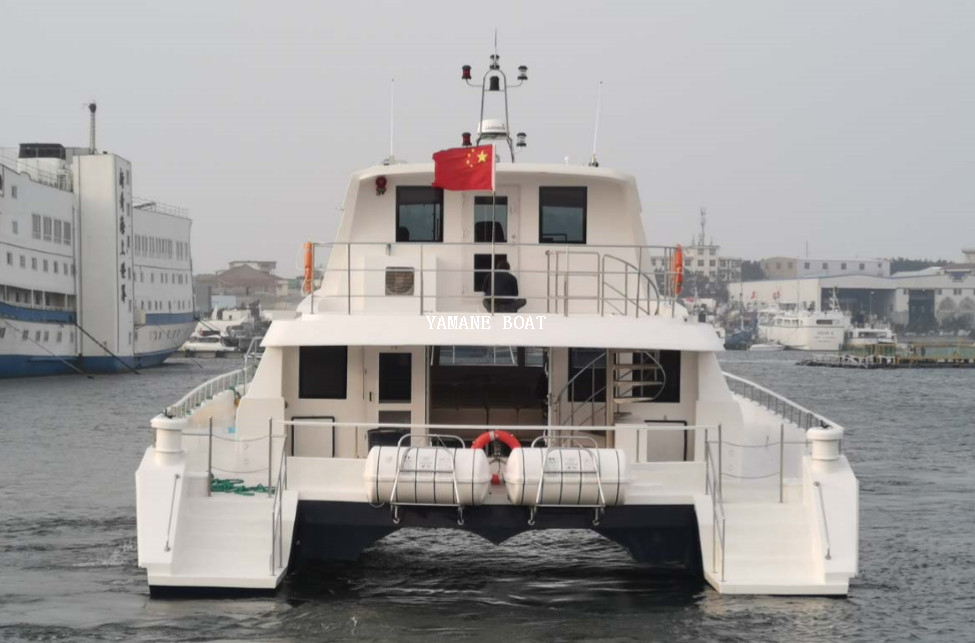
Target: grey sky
[{"x": 847, "y": 124}]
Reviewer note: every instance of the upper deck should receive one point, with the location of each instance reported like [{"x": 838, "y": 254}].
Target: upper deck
[{"x": 573, "y": 237}]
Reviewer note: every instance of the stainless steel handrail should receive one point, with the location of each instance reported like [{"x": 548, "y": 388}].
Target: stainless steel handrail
[
  {"x": 712, "y": 485},
  {"x": 822, "y": 507},
  {"x": 418, "y": 250},
  {"x": 172, "y": 504},
  {"x": 206, "y": 391},
  {"x": 784, "y": 407},
  {"x": 276, "y": 511}
]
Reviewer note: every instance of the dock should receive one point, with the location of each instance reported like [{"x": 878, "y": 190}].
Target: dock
[{"x": 887, "y": 361}]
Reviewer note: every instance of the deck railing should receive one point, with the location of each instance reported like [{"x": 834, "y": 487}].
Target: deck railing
[
  {"x": 629, "y": 280},
  {"x": 206, "y": 391},
  {"x": 777, "y": 404}
]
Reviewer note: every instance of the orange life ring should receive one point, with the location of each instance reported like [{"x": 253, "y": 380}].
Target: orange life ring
[
  {"x": 306, "y": 286},
  {"x": 501, "y": 436},
  {"x": 678, "y": 269}
]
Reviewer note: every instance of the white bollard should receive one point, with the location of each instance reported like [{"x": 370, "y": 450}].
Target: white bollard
[
  {"x": 825, "y": 443},
  {"x": 169, "y": 437}
]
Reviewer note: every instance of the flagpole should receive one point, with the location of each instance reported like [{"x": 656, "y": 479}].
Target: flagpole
[{"x": 494, "y": 205}]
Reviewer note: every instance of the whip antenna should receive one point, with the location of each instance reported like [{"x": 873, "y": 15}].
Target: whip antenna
[
  {"x": 595, "y": 134},
  {"x": 391, "y": 159}
]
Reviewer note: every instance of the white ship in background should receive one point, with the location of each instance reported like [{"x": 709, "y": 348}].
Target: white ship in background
[
  {"x": 805, "y": 330},
  {"x": 92, "y": 279}
]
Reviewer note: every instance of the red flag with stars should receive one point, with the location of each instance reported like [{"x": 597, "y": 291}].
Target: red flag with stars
[{"x": 464, "y": 168}]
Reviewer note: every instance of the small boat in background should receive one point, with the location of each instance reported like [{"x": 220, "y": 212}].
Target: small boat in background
[{"x": 766, "y": 347}]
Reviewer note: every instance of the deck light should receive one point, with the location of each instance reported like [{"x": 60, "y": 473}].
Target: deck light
[
  {"x": 495, "y": 84},
  {"x": 465, "y": 72},
  {"x": 380, "y": 185},
  {"x": 522, "y": 73},
  {"x": 465, "y": 139},
  {"x": 521, "y": 139}
]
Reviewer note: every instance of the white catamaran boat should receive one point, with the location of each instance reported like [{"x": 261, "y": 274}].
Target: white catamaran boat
[{"x": 397, "y": 400}]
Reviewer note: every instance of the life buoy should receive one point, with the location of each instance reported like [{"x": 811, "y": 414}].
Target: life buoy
[
  {"x": 501, "y": 436},
  {"x": 306, "y": 286},
  {"x": 678, "y": 270}
]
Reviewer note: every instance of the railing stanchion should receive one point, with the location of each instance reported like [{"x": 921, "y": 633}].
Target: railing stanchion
[
  {"x": 421, "y": 278},
  {"x": 210, "y": 459},
  {"x": 781, "y": 462},
  {"x": 720, "y": 471},
  {"x": 270, "y": 442},
  {"x": 348, "y": 278}
]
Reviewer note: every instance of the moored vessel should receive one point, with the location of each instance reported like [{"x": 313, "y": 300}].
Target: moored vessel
[
  {"x": 403, "y": 397},
  {"x": 92, "y": 278}
]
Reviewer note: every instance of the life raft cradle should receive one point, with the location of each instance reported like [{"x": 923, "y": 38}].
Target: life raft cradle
[
  {"x": 556, "y": 441},
  {"x": 440, "y": 441}
]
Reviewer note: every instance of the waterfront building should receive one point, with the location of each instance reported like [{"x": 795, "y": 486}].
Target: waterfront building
[{"x": 798, "y": 267}]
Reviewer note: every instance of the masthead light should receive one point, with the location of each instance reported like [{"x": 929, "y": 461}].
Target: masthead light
[
  {"x": 521, "y": 139},
  {"x": 465, "y": 138},
  {"x": 465, "y": 72},
  {"x": 522, "y": 73}
]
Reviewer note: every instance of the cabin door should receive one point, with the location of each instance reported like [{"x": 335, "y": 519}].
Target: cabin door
[
  {"x": 395, "y": 394},
  {"x": 498, "y": 214}
]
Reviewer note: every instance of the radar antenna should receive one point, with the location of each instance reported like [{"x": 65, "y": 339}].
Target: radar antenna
[{"x": 495, "y": 81}]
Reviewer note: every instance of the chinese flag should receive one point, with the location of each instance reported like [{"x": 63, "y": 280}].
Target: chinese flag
[{"x": 464, "y": 168}]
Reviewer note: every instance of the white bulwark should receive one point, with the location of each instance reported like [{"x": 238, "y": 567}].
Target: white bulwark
[
  {"x": 600, "y": 402},
  {"x": 68, "y": 266}
]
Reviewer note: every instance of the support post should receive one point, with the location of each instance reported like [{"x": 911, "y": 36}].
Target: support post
[
  {"x": 348, "y": 277},
  {"x": 270, "y": 443},
  {"x": 210, "y": 459},
  {"x": 781, "y": 462},
  {"x": 720, "y": 470}
]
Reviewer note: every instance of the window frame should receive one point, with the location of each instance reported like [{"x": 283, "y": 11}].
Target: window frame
[
  {"x": 585, "y": 214},
  {"x": 305, "y": 352},
  {"x": 438, "y": 232}
]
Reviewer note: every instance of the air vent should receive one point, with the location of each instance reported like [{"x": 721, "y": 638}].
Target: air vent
[{"x": 399, "y": 280}]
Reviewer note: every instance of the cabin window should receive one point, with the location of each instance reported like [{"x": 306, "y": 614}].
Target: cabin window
[
  {"x": 589, "y": 384},
  {"x": 395, "y": 377},
  {"x": 419, "y": 213},
  {"x": 562, "y": 215},
  {"x": 490, "y": 216},
  {"x": 323, "y": 372}
]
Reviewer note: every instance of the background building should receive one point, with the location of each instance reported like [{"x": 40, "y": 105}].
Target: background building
[
  {"x": 797, "y": 267},
  {"x": 941, "y": 296},
  {"x": 703, "y": 257}
]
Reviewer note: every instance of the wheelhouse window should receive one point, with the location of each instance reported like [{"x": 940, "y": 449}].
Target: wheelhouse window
[
  {"x": 419, "y": 214},
  {"x": 323, "y": 372},
  {"x": 490, "y": 215},
  {"x": 562, "y": 214}
]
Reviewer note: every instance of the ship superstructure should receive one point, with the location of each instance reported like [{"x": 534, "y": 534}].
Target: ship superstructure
[
  {"x": 401, "y": 398},
  {"x": 92, "y": 279}
]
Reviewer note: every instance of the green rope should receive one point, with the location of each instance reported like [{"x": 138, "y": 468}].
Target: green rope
[{"x": 236, "y": 485}]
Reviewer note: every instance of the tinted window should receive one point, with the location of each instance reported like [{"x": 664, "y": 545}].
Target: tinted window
[
  {"x": 486, "y": 212},
  {"x": 419, "y": 213},
  {"x": 395, "y": 377},
  {"x": 562, "y": 215},
  {"x": 322, "y": 372}
]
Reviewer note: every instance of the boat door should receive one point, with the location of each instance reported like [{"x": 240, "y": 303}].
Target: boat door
[
  {"x": 498, "y": 214},
  {"x": 395, "y": 393}
]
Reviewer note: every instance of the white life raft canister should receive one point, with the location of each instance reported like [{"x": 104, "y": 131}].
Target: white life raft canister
[
  {"x": 570, "y": 476},
  {"x": 425, "y": 475}
]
